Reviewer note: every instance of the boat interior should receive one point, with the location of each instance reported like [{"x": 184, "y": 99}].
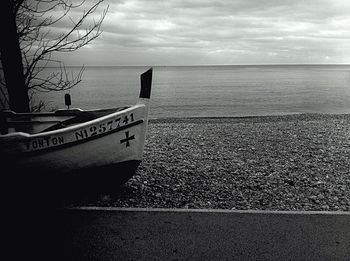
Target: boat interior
[{"x": 33, "y": 123}]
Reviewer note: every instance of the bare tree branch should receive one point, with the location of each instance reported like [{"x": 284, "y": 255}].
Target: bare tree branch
[{"x": 38, "y": 44}]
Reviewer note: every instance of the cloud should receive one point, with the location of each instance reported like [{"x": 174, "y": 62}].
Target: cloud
[{"x": 222, "y": 32}]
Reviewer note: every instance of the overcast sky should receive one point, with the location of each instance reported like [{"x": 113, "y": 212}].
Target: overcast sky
[{"x": 203, "y": 32}]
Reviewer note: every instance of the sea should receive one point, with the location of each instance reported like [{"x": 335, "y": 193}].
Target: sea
[{"x": 214, "y": 91}]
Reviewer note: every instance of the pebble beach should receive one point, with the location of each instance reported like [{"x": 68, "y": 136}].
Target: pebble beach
[{"x": 291, "y": 162}]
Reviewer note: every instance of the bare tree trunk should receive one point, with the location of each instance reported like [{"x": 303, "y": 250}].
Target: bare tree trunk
[{"x": 11, "y": 60}]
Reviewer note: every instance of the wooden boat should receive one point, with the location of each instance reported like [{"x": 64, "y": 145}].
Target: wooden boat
[{"x": 92, "y": 143}]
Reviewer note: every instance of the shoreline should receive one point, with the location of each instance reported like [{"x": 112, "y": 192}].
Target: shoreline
[
  {"x": 275, "y": 117},
  {"x": 295, "y": 162}
]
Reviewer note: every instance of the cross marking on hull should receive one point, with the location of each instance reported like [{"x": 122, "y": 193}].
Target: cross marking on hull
[{"x": 127, "y": 139}]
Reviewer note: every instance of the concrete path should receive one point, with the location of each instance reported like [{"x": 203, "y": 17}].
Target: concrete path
[{"x": 165, "y": 234}]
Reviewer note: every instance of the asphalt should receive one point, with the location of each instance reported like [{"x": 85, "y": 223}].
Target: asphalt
[{"x": 182, "y": 234}]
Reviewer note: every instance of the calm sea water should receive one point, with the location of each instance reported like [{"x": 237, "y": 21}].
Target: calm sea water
[{"x": 196, "y": 91}]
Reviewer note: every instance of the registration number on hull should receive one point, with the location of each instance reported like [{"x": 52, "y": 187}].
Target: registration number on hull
[
  {"x": 79, "y": 135},
  {"x": 103, "y": 127}
]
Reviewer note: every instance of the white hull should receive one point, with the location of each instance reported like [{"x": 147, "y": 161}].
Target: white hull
[{"x": 79, "y": 147}]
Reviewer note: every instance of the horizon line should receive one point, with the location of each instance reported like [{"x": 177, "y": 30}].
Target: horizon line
[
  {"x": 198, "y": 65},
  {"x": 206, "y": 65}
]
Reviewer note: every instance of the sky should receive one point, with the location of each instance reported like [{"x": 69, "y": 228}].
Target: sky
[{"x": 217, "y": 32}]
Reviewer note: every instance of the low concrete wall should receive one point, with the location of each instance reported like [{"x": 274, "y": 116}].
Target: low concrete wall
[{"x": 165, "y": 234}]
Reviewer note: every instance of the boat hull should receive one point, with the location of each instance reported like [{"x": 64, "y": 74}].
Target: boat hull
[{"x": 113, "y": 143}]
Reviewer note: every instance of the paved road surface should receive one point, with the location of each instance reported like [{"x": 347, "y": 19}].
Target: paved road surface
[{"x": 139, "y": 234}]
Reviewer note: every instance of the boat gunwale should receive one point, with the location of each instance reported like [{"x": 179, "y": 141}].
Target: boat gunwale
[
  {"x": 59, "y": 112},
  {"x": 24, "y": 135}
]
